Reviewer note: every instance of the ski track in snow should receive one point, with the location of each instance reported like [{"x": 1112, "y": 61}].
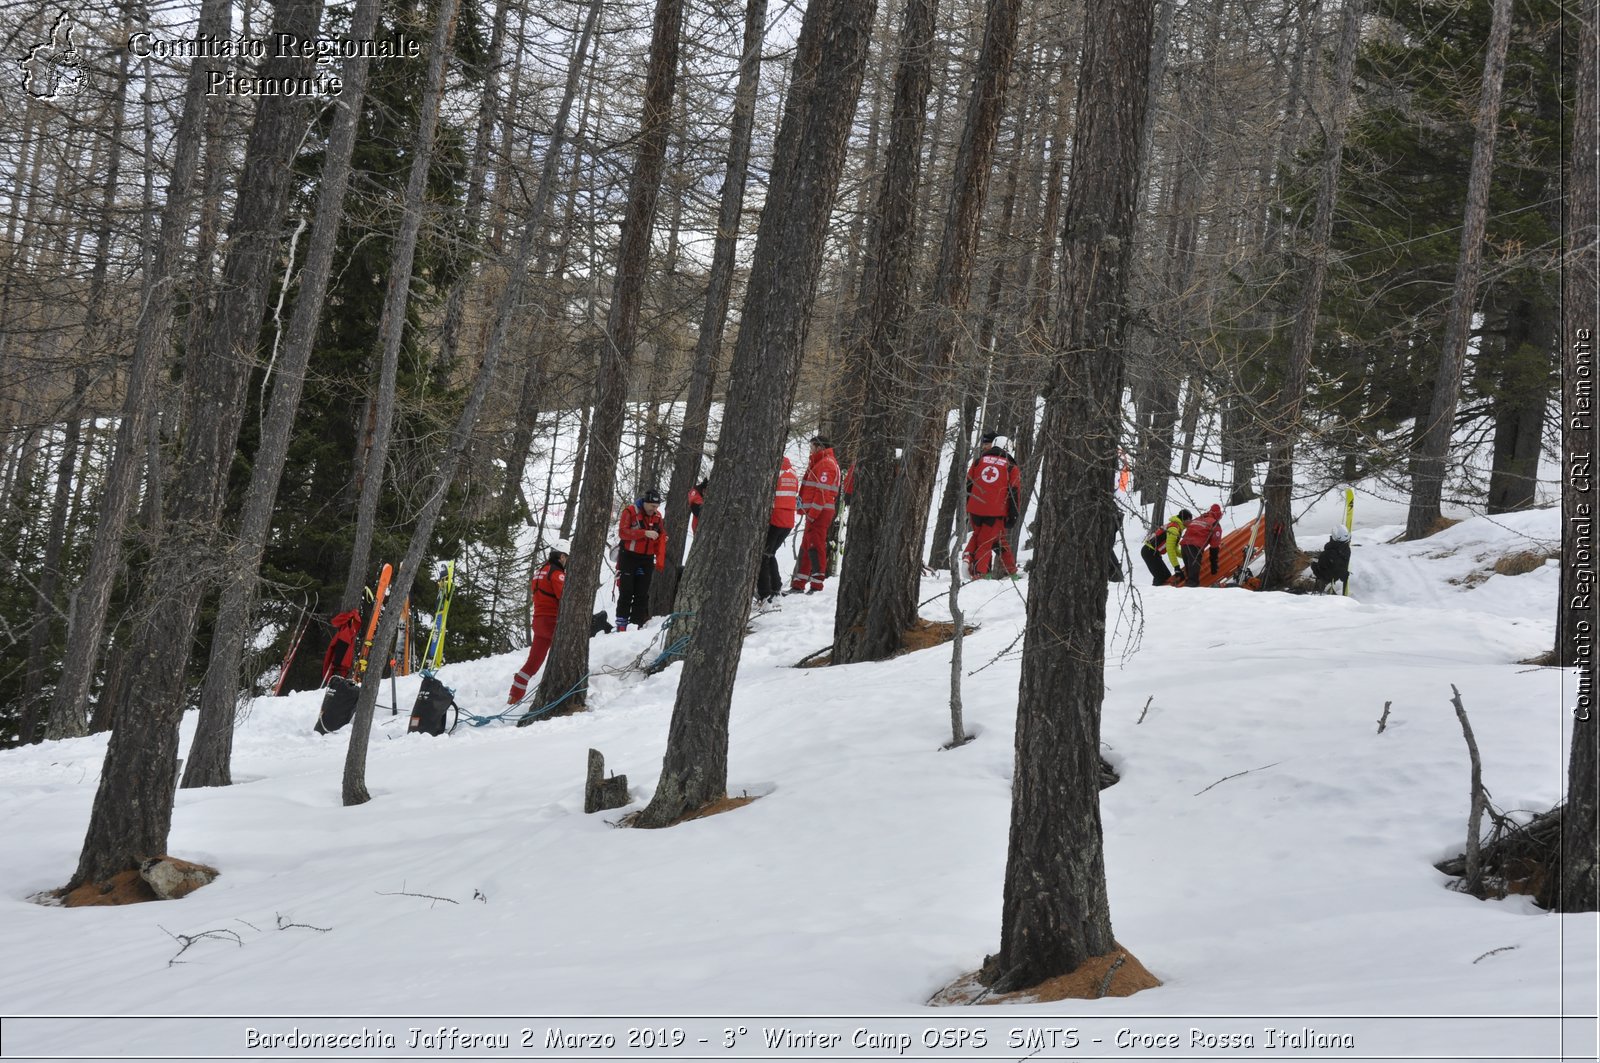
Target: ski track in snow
[{"x": 869, "y": 872}]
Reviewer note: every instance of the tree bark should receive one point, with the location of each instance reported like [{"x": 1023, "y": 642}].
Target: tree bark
[
  {"x": 69, "y": 715},
  {"x": 889, "y": 555},
  {"x": 1575, "y": 885},
  {"x": 1428, "y": 463},
  {"x": 1055, "y": 912},
  {"x": 567, "y": 667},
  {"x": 133, "y": 805},
  {"x": 1278, "y": 491},
  {"x": 396, "y": 300},
  {"x": 714, "y": 319},
  {"x": 872, "y": 361},
  {"x": 808, "y": 161},
  {"x": 208, "y": 763}
]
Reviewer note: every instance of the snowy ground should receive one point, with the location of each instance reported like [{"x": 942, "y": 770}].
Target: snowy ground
[{"x": 1300, "y": 893}]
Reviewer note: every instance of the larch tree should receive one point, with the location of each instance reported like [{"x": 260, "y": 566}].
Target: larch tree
[
  {"x": 1575, "y": 884},
  {"x": 877, "y": 340},
  {"x": 132, "y": 811},
  {"x": 716, "y": 594},
  {"x": 1055, "y": 912},
  {"x": 211, "y": 751},
  {"x": 1434, "y": 434},
  {"x": 892, "y": 554},
  {"x": 567, "y": 667},
  {"x": 1278, "y": 491},
  {"x": 69, "y": 715},
  {"x": 691, "y": 442}
]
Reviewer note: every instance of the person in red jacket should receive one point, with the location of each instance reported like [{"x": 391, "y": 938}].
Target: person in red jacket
[
  {"x": 644, "y": 550},
  {"x": 819, "y": 494},
  {"x": 548, "y": 585},
  {"x": 994, "y": 499},
  {"x": 784, "y": 504},
  {"x": 1202, "y": 532},
  {"x": 697, "y": 498}
]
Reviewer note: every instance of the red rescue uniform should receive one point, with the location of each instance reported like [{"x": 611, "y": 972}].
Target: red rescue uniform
[
  {"x": 548, "y": 585},
  {"x": 819, "y": 494},
  {"x": 994, "y": 498},
  {"x": 785, "y": 504},
  {"x": 638, "y": 561},
  {"x": 1202, "y": 532}
]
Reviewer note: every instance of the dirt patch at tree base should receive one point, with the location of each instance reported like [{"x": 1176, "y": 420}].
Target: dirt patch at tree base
[
  {"x": 125, "y": 887},
  {"x": 923, "y": 635},
  {"x": 720, "y": 805},
  {"x": 1116, "y": 974}
]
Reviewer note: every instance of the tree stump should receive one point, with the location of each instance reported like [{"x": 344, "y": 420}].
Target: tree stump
[{"x": 600, "y": 793}]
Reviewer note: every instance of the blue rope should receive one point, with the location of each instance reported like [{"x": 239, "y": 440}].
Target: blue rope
[
  {"x": 673, "y": 650},
  {"x": 534, "y": 714}
]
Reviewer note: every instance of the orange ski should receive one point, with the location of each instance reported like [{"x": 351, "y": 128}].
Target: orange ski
[{"x": 372, "y": 627}]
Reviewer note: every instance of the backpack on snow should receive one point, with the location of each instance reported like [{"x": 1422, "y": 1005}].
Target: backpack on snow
[
  {"x": 338, "y": 705},
  {"x": 433, "y": 704}
]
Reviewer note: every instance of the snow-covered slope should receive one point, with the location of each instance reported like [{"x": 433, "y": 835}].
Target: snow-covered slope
[{"x": 1268, "y": 852}]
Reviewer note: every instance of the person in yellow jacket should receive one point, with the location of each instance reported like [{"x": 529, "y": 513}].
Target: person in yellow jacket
[{"x": 1163, "y": 539}]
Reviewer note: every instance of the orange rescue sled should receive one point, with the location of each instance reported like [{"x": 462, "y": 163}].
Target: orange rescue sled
[{"x": 1239, "y": 548}]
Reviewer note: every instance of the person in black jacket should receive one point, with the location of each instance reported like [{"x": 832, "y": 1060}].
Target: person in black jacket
[{"x": 1333, "y": 564}]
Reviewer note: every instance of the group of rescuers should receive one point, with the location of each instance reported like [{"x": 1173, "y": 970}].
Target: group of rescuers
[
  {"x": 994, "y": 498},
  {"x": 994, "y": 503}
]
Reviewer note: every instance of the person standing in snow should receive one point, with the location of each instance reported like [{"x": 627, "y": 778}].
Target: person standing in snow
[
  {"x": 548, "y": 585},
  {"x": 1163, "y": 539},
  {"x": 1202, "y": 532},
  {"x": 1333, "y": 564},
  {"x": 819, "y": 493},
  {"x": 643, "y": 551},
  {"x": 769, "y": 582},
  {"x": 994, "y": 498}
]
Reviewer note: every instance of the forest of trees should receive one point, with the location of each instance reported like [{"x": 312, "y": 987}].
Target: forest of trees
[{"x": 254, "y": 347}]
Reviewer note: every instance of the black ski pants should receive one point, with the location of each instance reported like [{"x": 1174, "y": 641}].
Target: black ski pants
[
  {"x": 1154, "y": 560},
  {"x": 770, "y": 580},
  {"x": 633, "y": 600}
]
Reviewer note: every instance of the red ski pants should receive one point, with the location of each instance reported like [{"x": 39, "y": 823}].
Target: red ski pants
[
  {"x": 813, "y": 563},
  {"x": 544, "y": 630},
  {"x": 988, "y": 535}
]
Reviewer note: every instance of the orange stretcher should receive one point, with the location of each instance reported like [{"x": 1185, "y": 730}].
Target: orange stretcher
[{"x": 1239, "y": 547}]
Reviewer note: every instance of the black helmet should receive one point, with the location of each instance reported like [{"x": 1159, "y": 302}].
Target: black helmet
[
  {"x": 821, "y": 441},
  {"x": 652, "y": 495},
  {"x": 1185, "y": 516}
]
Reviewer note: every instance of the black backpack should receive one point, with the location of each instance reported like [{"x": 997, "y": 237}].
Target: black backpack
[
  {"x": 433, "y": 704},
  {"x": 338, "y": 705}
]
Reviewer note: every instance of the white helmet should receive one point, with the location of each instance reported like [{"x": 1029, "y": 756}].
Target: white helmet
[
  {"x": 1341, "y": 534},
  {"x": 561, "y": 546}
]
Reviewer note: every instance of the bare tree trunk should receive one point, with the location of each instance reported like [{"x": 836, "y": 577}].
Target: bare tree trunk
[
  {"x": 396, "y": 299},
  {"x": 891, "y": 555},
  {"x": 472, "y": 209},
  {"x": 69, "y": 715},
  {"x": 1519, "y": 404},
  {"x": 1278, "y": 491},
  {"x": 1055, "y": 913},
  {"x": 354, "y": 785},
  {"x": 133, "y": 805},
  {"x": 714, "y": 319},
  {"x": 872, "y": 361},
  {"x": 809, "y": 158},
  {"x": 1575, "y": 885},
  {"x": 567, "y": 667},
  {"x": 210, "y": 753},
  {"x": 1428, "y": 463}
]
